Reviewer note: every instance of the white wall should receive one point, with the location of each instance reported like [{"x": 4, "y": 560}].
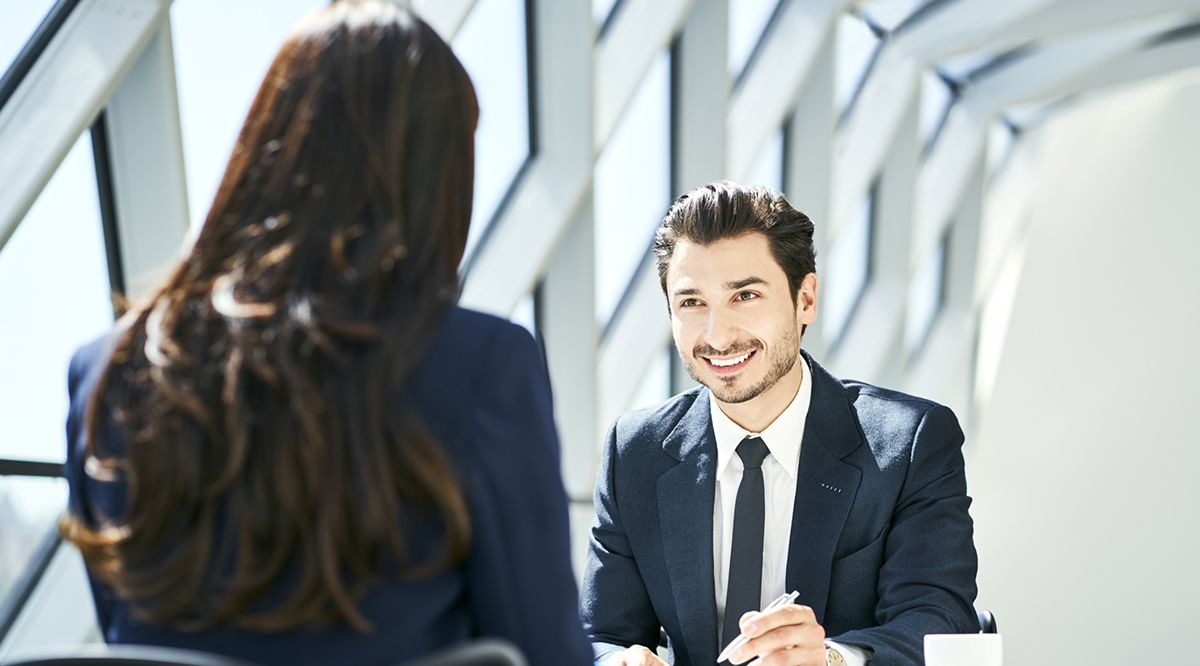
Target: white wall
[{"x": 1083, "y": 463}]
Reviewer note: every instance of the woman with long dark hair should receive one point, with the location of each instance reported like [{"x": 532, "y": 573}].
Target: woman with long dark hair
[{"x": 299, "y": 450}]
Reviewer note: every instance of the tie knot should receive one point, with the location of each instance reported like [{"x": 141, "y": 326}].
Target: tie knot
[{"x": 752, "y": 451}]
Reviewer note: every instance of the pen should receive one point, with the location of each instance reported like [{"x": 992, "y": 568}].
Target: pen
[{"x": 741, "y": 639}]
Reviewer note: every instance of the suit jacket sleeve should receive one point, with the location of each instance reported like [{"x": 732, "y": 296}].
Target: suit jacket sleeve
[
  {"x": 520, "y": 581},
  {"x": 927, "y": 581},
  {"x": 615, "y": 605}
]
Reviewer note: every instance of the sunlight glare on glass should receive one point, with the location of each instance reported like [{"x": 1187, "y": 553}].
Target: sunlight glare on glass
[
  {"x": 632, "y": 186},
  {"x": 748, "y": 21},
  {"x": 223, "y": 49},
  {"x": 21, "y": 20},
  {"x": 491, "y": 46},
  {"x": 54, "y": 293},
  {"x": 525, "y": 314},
  {"x": 847, "y": 269},
  {"x": 936, "y": 97},
  {"x": 29, "y": 508},
  {"x": 1000, "y": 143},
  {"x": 924, "y": 298},
  {"x": 600, "y": 11},
  {"x": 856, "y": 45},
  {"x": 655, "y": 386},
  {"x": 767, "y": 169}
]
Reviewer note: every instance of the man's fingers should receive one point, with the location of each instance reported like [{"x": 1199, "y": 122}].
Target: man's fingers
[
  {"x": 757, "y": 624},
  {"x": 782, "y": 636}
]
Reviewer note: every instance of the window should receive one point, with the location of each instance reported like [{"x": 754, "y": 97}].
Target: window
[
  {"x": 925, "y": 296},
  {"x": 223, "y": 49},
  {"x": 603, "y": 11},
  {"x": 857, "y": 45},
  {"x": 768, "y": 166},
  {"x": 525, "y": 314},
  {"x": 1001, "y": 137},
  {"x": 29, "y": 508},
  {"x": 749, "y": 21},
  {"x": 936, "y": 98},
  {"x": 890, "y": 14},
  {"x": 493, "y": 48},
  {"x": 54, "y": 293},
  {"x": 632, "y": 186},
  {"x": 21, "y": 20},
  {"x": 656, "y": 383},
  {"x": 847, "y": 269}
]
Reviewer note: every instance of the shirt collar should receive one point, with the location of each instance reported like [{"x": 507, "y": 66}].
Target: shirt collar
[{"x": 782, "y": 437}]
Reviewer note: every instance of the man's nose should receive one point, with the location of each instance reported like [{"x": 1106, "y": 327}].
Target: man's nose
[{"x": 720, "y": 332}]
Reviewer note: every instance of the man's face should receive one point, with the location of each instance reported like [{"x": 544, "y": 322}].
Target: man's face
[{"x": 735, "y": 324}]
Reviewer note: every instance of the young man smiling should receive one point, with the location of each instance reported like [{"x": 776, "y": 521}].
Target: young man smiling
[{"x": 773, "y": 476}]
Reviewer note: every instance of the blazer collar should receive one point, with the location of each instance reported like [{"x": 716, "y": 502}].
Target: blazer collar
[
  {"x": 825, "y": 489},
  {"x": 830, "y": 416},
  {"x": 686, "y": 493}
]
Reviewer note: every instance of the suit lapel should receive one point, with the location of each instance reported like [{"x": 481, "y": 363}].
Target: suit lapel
[
  {"x": 825, "y": 489},
  {"x": 686, "y": 493}
]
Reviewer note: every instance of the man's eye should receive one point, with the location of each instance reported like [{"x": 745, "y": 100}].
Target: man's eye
[
  {"x": 746, "y": 295},
  {"x": 689, "y": 303}
]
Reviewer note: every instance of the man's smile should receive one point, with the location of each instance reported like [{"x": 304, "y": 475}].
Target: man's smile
[{"x": 724, "y": 365}]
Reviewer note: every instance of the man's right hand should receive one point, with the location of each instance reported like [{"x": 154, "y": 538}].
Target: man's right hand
[{"x": 637, "y": 655}]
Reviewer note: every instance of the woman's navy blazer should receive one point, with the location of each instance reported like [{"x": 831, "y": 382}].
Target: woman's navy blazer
[{"x": 483, "y": 392}]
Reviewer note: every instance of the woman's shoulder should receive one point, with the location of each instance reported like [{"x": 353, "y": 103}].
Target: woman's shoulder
[{"x": 471, "y": 337}]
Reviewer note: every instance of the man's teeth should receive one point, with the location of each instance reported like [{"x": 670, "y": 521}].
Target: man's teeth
[{"x": 728, "y": 362}]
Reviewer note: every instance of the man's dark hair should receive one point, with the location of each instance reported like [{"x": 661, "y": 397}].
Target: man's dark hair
[{"x": 725, "y": 209}]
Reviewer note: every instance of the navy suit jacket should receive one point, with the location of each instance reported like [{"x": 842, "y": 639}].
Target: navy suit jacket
[
  {"x": 483, "y": 392},
  {"x": 881, "y": 542}
]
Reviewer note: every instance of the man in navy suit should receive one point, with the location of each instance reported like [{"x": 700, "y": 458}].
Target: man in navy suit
[{"x": 772, "y": 477}]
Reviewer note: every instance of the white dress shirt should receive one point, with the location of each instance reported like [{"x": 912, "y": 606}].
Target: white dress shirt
[{"x": 783, "y": 438}]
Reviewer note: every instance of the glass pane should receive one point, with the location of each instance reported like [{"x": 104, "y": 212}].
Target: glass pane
[
  {"x": 21, "y": 20},
  {"x": 491, "y": 45},
  {"x": 223, "y": 49},
  {"x": 656, "y": 383},
  {"x": 54, "y": 293},
  {"x": 632, "y": 186},
  {"x": 1001, "y": 138},
  {"x": 600, "y": 11},
  {"x": 525, "y": 314},
  {"x": 768, "y": 166},
  {"x": 936, "y": 98},
  {"x": 748, "y": 20},
  {"x": 924, "y": 298},
  {"x": 29, "y": 508},
  {"x": 847, "y": 269},
  {"x": 856, "y": 46}
]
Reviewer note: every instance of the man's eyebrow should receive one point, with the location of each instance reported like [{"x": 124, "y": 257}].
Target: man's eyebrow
[
  {"x": 690, "y": 291},
  {"x": 743, "y": 283}
]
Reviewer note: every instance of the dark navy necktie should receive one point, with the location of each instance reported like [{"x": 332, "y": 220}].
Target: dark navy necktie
[{"x": 746, "y": 557}]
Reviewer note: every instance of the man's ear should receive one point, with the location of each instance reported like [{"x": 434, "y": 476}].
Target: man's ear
[{"x": 806, "y": 300}]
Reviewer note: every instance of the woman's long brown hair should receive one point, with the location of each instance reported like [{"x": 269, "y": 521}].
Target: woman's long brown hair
[{"x": 268, "y": 444}]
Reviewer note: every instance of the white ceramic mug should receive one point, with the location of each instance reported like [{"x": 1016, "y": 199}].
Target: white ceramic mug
[{"x": 964, "y": 650}]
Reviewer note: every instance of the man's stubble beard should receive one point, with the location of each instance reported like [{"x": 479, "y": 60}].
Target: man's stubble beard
[{"x": 781, "y": 360}]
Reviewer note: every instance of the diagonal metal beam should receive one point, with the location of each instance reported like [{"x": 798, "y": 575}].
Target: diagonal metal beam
[
  {"x": 777, "y": 77},
  {"x": 546, "y": 199},
  {"x": 643, "y": 29},
  {"x": 63, "y": 92},
  {"x": 1052, "y": 71}
]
